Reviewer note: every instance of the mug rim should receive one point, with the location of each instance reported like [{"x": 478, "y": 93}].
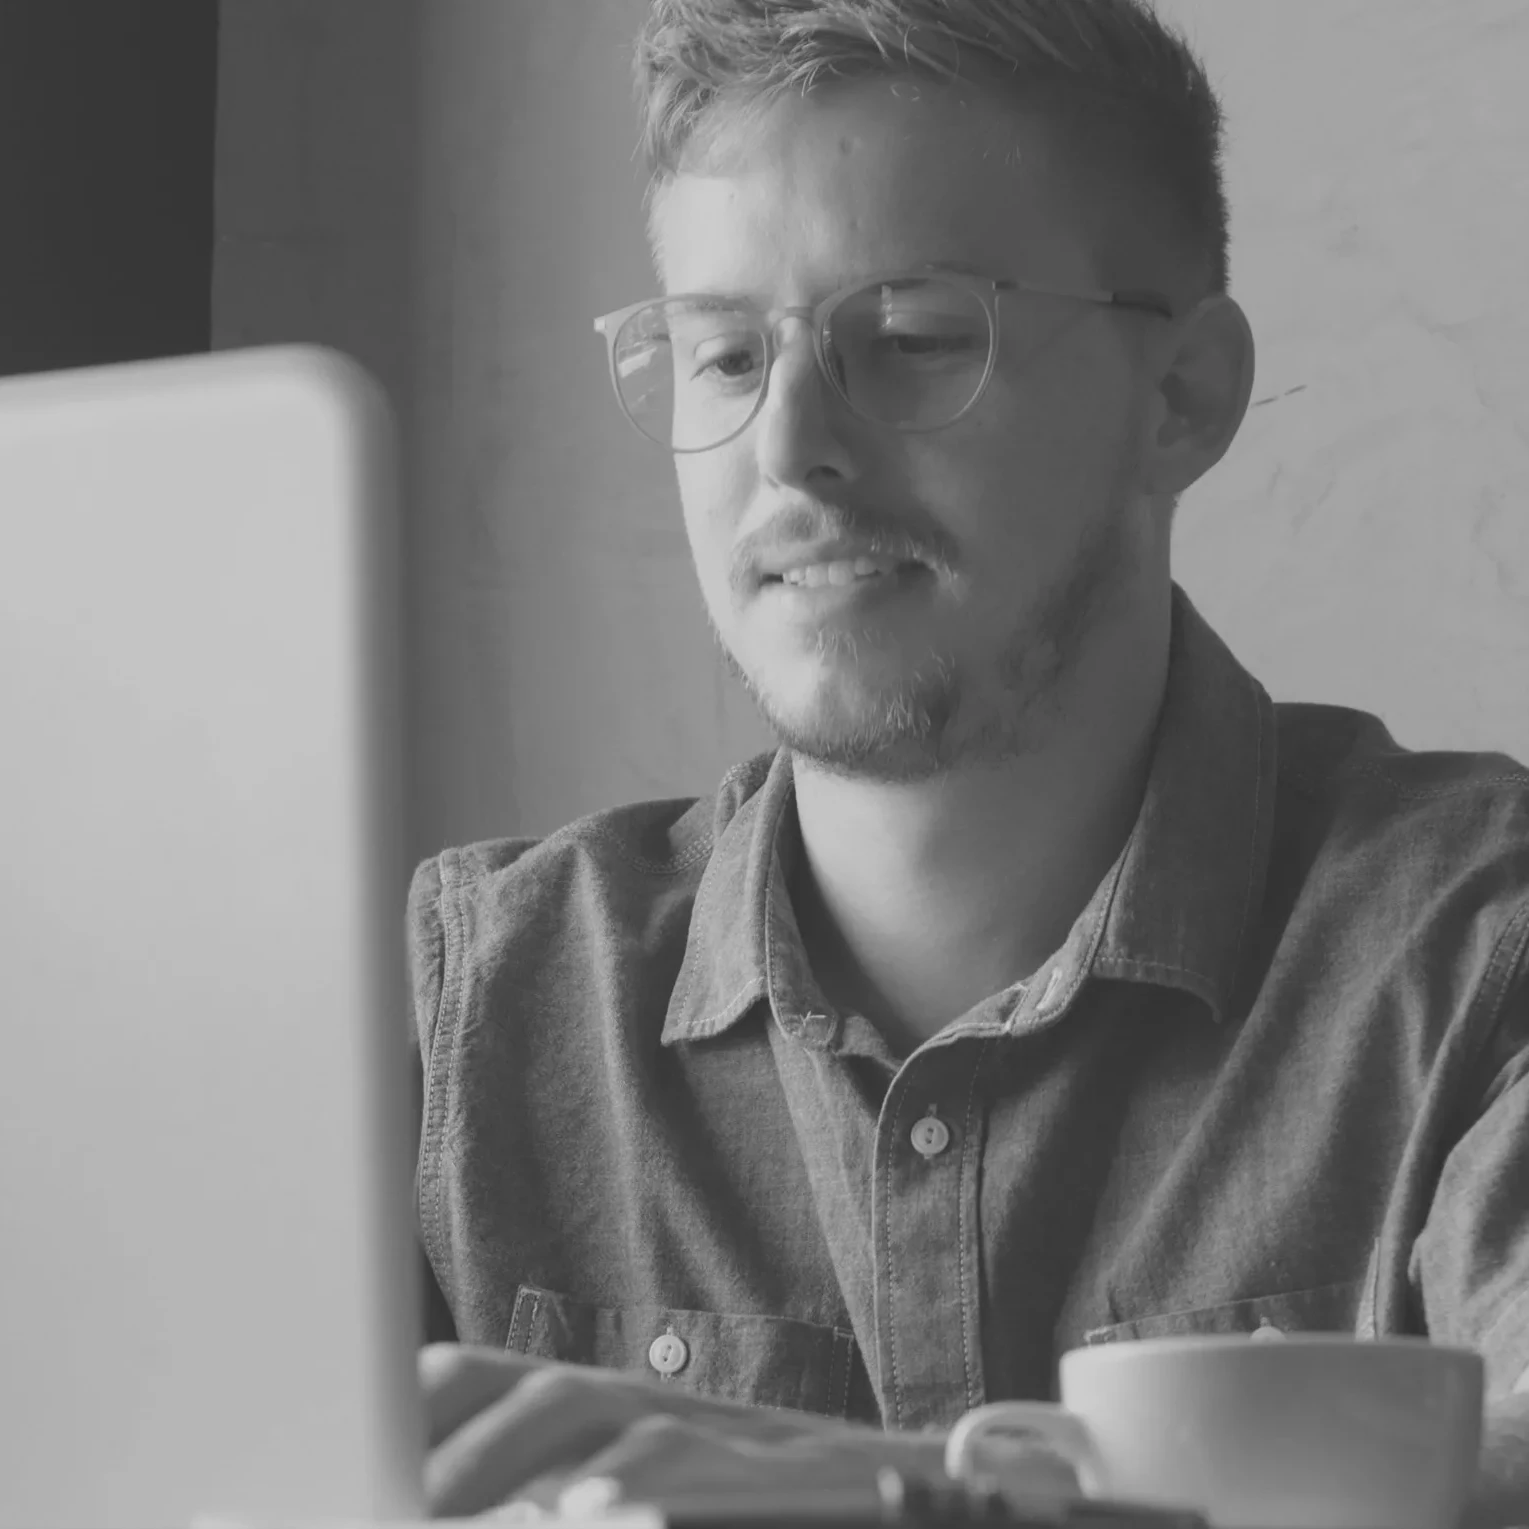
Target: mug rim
[{"x": 1245, "y": 1342}]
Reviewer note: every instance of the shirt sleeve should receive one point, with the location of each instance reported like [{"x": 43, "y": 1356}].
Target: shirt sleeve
[
  {"x": 426, "y": 946},
  {"x": 1470, "y": 1263}
]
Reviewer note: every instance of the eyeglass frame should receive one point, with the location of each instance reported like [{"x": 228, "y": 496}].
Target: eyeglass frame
[{"x": 987, "y": 290}]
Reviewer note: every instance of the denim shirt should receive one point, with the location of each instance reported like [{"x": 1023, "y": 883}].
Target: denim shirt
[{"x": 1276, "y": 1077}]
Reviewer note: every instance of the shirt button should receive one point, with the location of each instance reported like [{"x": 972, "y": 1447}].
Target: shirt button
[
  {"x": 668, "y": 1354},
  {"x": 930, "y": 1136}
]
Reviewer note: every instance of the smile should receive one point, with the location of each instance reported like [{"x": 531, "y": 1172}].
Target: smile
[
  {"x": 844, "y": 571},
  {"x": 817, "y": 590}
]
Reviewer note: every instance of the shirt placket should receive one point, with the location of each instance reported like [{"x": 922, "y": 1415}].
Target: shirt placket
[{"x": 926, "y": 1237}]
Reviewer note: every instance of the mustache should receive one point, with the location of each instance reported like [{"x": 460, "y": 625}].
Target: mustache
[{"x": 908, "y": 539}]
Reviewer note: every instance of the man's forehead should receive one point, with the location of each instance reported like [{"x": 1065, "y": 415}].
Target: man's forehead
[
  {"x": 864, "y": 178},
  {"x": 885, "y": 128}
]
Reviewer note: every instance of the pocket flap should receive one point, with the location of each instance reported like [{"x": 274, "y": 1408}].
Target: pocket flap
[{"x": 760, "y": 1361}]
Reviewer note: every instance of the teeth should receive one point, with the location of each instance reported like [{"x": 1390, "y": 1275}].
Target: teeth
[{"x": 845, "y": 571}]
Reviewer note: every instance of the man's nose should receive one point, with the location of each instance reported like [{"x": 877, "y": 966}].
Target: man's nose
[
  {"x": 796, "y": 362},
  {"x": 799, "y": 434}
]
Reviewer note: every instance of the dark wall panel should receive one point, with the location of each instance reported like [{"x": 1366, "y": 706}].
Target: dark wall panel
[{"x": 107, "y": 111}]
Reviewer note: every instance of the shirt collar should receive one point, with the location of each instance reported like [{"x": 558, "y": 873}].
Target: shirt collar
[
  {"x": 1177, "y": 907},
  {"x": 742, "y": 932},
  {"x": 1181, "y": 905}
]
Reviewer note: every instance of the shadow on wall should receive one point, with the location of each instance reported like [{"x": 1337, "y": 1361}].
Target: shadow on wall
[{"x": 106, "y": 154}]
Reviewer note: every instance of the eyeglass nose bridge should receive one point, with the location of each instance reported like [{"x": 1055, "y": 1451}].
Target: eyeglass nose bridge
[{"x": 809, "y": 316}]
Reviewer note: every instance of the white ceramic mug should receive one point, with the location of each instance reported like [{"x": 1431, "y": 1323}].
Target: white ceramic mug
[{"x": 1316, "y": 1431}]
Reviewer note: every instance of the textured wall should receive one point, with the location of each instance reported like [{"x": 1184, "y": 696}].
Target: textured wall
[
  {"x": 573, "y": 664},
  {"x": 1367, "y": 540}
]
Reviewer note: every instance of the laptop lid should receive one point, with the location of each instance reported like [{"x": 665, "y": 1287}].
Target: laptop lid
[{"x": 207, "y": 1295}]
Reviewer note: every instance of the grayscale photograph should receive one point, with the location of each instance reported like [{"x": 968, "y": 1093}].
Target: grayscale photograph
[{"x": 764, "y": 763}]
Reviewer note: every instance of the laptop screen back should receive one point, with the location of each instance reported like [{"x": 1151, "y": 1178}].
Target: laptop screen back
[{"x": 207, "y": 1300}]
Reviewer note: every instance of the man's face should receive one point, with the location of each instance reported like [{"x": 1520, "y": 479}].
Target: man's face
[{"x": 1021, "y": 524}]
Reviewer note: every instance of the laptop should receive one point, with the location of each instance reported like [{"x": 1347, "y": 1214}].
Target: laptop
[{"x": 208, "y": 1303}]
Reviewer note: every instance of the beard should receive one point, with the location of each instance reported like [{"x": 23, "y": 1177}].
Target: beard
[{"x": 941, "y": 714}]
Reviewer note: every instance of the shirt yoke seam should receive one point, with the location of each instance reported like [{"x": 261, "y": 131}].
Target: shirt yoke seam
[{"x": 1317, "y": 785}]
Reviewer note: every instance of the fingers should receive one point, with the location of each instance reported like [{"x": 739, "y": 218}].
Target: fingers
[
  {"x": 690, "y": 1468},
  {"x": 662, "y": 1458},
  {"x": 548, "y": 1423},
  {"x": 1024, "y": 1468},
  {"x": 677, "y": 1466},
  {"x": 458, "y": 1382},
  {"x": 623, "y": 1471},
  {"x": 504, "y": 1425}
]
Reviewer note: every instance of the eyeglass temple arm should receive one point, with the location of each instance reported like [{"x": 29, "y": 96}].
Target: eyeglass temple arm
[{"x": 1152, "y": 302}]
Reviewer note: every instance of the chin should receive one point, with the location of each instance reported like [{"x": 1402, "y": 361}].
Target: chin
[
  {"x": 901, "y": 730},
  {"x": 884, "y": 761}
]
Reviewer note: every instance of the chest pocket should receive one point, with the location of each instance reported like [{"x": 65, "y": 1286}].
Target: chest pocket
[
  {"x": 1322, "y": 1309},
  {"x": 760, "y": 1361}
]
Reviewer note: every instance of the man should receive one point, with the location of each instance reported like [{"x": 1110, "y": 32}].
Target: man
[{"x": 1049, "y": 985}]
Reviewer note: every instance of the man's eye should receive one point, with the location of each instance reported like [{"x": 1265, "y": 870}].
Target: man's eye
[
  {"x": 728, "y": 363},
  {"x": 915, "y": 343}
]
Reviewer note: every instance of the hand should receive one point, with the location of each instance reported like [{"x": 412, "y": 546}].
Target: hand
[{"x": 504, "y": 1427}]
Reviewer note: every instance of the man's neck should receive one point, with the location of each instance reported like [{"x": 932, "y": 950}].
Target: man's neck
[{"x": 918, "y": 900}]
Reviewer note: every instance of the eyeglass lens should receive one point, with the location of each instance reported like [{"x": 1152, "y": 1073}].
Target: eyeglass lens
[{"x": 910, "y": 353}]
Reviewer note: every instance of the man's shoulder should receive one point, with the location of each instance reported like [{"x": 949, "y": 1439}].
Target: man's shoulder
[
  {"x": 1425, "y": 811},
  {"x": 610, "y": 892},
  {"x": 627, "y": 849},
  {"x": 1335, "y": 750}
]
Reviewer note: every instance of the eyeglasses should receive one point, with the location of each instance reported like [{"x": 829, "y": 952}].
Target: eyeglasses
[{"x": 910, "y": 350}]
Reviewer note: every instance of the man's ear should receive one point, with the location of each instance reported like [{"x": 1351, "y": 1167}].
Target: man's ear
[{"x": 1204, "y": 365}]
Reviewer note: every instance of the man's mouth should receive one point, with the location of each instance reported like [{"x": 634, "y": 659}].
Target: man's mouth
[{"x": 839, "y": 572}]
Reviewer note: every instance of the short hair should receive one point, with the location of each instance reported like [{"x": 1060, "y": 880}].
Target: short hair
[{"x": 1143, "y": 123}]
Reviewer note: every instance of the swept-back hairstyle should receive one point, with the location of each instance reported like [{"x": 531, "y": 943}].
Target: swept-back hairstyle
[{"x": 1141, "y": 121}]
